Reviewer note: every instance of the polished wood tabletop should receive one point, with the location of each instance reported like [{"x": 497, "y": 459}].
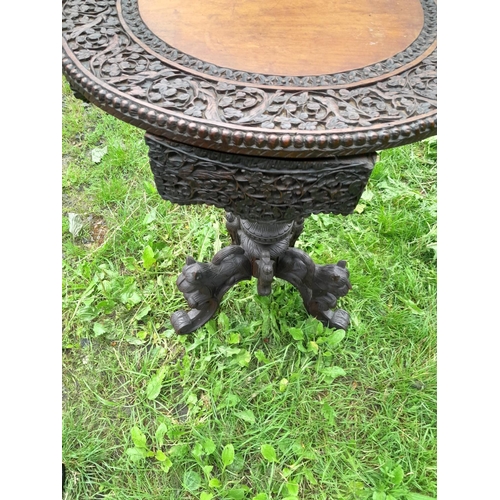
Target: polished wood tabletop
[
  {"x": 297, "y": 37},
  {"x": 295, "y": 79}
]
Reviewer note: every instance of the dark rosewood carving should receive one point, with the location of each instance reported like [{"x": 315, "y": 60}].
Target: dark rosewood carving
[
  {"x": 204, "y": 284},
  {"x": 269, "y": 149},
  {"x": 378, "y": 107},
  {"x": 261, "y": 250},
  {"x": 259, "y": 189},
  {"x": 319, "y": 286},
  {"x": 266, "y": 200}
]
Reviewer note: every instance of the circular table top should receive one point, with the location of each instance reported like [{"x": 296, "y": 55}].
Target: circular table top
[{"x": 301, "y": 79}]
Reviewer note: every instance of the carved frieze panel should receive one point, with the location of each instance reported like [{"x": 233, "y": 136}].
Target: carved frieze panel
[{"x": 257, "y": 189}]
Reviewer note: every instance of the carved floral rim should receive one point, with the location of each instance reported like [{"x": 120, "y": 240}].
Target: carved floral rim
[
  {"x": 202, "y": 133},
  {"x": 131, "y": 82}
]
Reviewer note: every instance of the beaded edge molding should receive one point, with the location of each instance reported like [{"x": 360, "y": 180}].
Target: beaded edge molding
[{"x": 168, "y": 103}]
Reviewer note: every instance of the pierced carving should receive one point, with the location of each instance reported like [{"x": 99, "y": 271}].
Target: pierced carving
[
  {"x": 264, "y": 253},
  {"x": 319, "y": 286},
  {"x": 257, "y": 189},
  {"x": 204, "y": 284}
]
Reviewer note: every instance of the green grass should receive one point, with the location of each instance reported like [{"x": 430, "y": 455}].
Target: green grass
[{"x": 151, "y": 415}]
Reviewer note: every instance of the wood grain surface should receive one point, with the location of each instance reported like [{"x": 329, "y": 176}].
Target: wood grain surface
[{"x": 292, "y": 38}]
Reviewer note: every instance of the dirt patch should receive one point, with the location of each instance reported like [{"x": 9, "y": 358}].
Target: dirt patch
[{"x": 98, "y": 230}]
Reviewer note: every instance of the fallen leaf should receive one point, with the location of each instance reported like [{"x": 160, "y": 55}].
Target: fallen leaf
[
  {"x": 98, "y": 153},
  {"x": 75, "y": 224}
]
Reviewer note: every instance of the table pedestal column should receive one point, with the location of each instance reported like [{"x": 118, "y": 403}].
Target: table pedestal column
[{"x": 266, "y": 202}]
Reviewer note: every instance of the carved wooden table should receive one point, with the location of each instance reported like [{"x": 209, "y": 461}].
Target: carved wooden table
[{"x": 270, "y": 110}]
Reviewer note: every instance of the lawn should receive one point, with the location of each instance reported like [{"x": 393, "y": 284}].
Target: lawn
[{"x": 263, "y": 402}]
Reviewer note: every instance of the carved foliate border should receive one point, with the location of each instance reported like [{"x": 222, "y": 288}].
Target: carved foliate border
[
  {"x": 257, "y": 189},
  {"x": 129, "y": 81},
  {"x": 427, "y": 36}
]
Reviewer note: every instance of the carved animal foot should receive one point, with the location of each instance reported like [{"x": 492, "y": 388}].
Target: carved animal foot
[
  {"x": 204, "y": 284},
  {"x": 319, "y": 286},
  {"x": 264, "y": 251}
]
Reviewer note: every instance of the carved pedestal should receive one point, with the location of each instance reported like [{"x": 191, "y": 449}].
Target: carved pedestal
[
  {"x": 266, "y": 202},
  {"x": 262, "y": 250},
  {"x": 269, "y": 114}
]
